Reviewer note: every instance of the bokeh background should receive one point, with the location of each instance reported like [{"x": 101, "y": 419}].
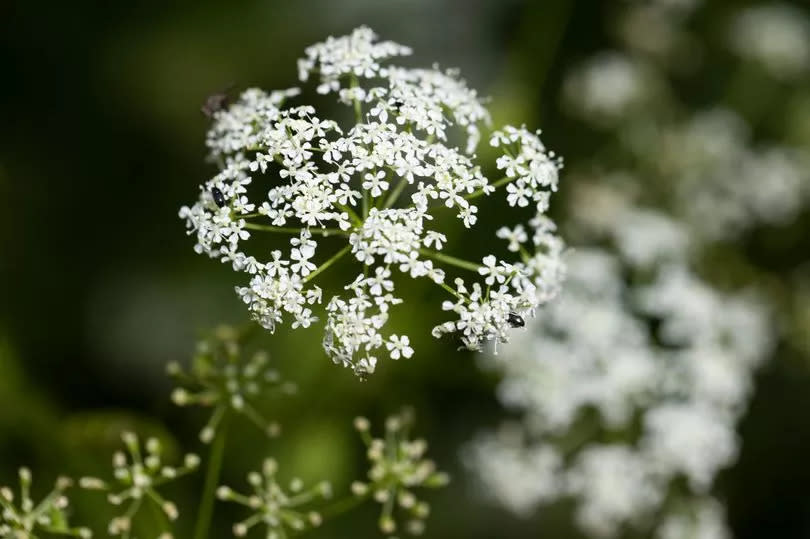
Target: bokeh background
[{"x": 102, "y": 140}]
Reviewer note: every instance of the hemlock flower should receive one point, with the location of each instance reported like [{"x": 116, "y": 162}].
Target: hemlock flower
[
  {"x": 608, "y": 88},
  {"x": 224, "y": 378},
  {"x": 139, "y": 475},
  {"x": 280, "y": 511},
  {"x": 27, "y": 519},
  {"x": 701, "y": 519},
  {"x": 629, "y": 386},
  {"x": 775, "y": 35},
  {"x": 725, "y": 184},
  {"x": 378, "y": 186},
  {"x": 397, "y": 468}
]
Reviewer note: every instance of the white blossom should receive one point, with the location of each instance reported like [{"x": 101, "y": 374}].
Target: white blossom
[
  {"x": 635, "y": 378},
  {"x": 703, "y": 519},
  {"x": 776, "y": 35},
  {"x": 379, "y": 184},
  {"x": 607, "y": 88}
]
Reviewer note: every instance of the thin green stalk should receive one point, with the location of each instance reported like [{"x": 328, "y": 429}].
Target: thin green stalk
[
  {"x": 328, "y": 263},
  {"x": 358, "y": 110},
  {"x": 161, "y": 520},
  {"x": 394, "y": 194},
  {"x": 293, "y": 230},
  {"x": 352, "y": 215},
  {"x": 206, "y": 508},
  {"x": 452, "y": 260},
  {"x": 342, "y": 506}
]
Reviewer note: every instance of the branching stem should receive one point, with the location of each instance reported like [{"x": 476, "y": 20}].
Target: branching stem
[
  {"x": 337, "y": 256},
  {"x": 452, "y": 260},
  {"x": 206, "y": 508}
]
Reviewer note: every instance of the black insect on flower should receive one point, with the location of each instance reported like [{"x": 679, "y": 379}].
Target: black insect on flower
[
  {"x": 398, "y": 104},
  {"x": 215, "y": 102},
  {"x": 219, "y": 198},
  {"x": 515, "y": 320}
]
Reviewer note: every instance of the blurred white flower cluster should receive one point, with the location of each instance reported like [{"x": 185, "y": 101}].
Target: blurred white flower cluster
[
  {"x": 724, "y": 185},
  {"x": 608, "y": 87},
  {"x": 372, "y": 189},
  {"x": 628, "y": 387},
  {"x": 776, "y": 35},
  {"x": 721, "y": 177}
]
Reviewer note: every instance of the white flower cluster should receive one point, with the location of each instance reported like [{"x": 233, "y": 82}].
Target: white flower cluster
[
  {"x": 625, "y": 389},
  {"x": 379, "y": 184},
  {"x": 607, "y": 87},
  {"x": 776, "y": 35},
  {"x": 723, "y": 184}
]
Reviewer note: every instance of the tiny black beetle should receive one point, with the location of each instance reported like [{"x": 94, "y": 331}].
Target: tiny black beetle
[
  {"x": 219, "y": 198},
  {"x": 515, "y": 320}
]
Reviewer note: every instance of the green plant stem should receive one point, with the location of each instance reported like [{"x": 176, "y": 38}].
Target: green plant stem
[
  {"x": 453, "y": 261},
  {"x": 394, "y": 194},
  {"x": 450, "y": 290},
  {"x": 161, "y": 519},
  {"x": 206, "y": 508},
  {"x": 352, "y": 215},
  {"x": 342, "y": 506},
  {"x": 293, "y": 230},
  {"x": 358, "y": 108},
  {"x": 337, "y": 256}
]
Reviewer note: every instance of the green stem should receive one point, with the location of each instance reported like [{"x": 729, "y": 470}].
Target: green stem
[
  {"x": 394, "y": 194},
  {"x": 206, "y": 508},
  {"x": 450, "y": 289},
  {"x": 352, "y": 215},
  {"x": 453, "y": 261},
  {"x": 358, "y": 110},
  {"x": 342, "y": 506},
  {"x": 328, "y": 263},
  {"x": 293, "y": 230},
  {"x": 162, "y": 521}
]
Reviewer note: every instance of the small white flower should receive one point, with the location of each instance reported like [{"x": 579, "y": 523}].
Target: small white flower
[{"x": 399, "y": 346}]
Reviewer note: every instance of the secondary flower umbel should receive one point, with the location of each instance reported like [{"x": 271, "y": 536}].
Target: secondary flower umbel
[{"x": 378, "y": 186}]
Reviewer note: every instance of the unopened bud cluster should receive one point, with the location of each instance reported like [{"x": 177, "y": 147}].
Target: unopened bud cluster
[
  {"x": 397, "y": 467},
  {"x": 138, "y": 472},
  {"x": 25, "y": 519},
  {"x": 281, "y": 511},
  {"x": 222, "y": 376}
]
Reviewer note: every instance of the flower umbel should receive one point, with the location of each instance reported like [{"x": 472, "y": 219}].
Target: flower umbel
[
  {"x": 280, "y": 510},
  {"x": 26, "y": 520},
  {"x": 397, "y": 468},
  {"x": 221, "y": 377},
  {"x": 372, "y": 192},
  {"x": 139, "y": 475}
]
